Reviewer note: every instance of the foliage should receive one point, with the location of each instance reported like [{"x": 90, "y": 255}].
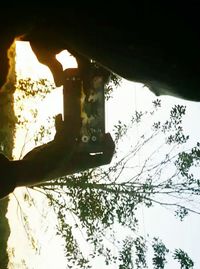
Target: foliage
[
  {"x": 98, "y": 204},
  {"x": 29, "y": 95},
  {"x": 30, "y": 90},
  {"x": 113, "y": 82},
  {"x": 160, "y": 251},
  {"x": 183, "y": 259},
  {"x": 111, "y": 79},
  {"x": 7, "y": 122}
]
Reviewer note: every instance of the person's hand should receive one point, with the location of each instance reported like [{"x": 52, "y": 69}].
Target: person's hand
[{"x": 108, "y": 146}]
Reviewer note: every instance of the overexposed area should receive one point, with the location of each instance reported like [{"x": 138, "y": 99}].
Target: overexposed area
[{"x": 45, "y": 249}]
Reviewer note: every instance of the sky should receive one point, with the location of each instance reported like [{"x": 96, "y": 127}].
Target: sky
[
  {"x": 127, "y": 98},
  {"x": 157, "y": 221}
]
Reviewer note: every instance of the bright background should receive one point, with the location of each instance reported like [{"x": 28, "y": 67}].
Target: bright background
[{"x": 155, "y": 221}]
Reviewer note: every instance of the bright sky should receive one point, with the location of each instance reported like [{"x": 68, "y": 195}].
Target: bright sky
[
  {"x": 158, "y": 221},
  {"x": 129, "y": 97}
]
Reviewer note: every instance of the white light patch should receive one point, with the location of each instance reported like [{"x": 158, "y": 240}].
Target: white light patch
[{"x": 66, "y": 59}]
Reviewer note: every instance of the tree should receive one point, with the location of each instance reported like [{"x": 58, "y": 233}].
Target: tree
[
  {"x": 93, "y": 203},
  {"x": 7, "y": 126}
]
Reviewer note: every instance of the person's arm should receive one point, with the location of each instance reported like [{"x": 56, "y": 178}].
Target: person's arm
[
  {"x": 60, "y": 157},
  {"x": 51, "y": 161}
]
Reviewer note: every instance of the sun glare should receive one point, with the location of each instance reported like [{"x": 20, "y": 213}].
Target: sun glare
[
  {"x": 28, "y": 67},
  {"x": 66, "y": 59}
]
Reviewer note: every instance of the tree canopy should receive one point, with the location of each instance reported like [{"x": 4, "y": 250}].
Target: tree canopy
[{"x": 100, "y": 205}]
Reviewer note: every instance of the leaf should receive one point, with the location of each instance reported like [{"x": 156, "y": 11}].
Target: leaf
[{"x": 184, "y": 260}]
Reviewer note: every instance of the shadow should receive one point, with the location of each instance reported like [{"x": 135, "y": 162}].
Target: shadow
[{"x": 7, "y": 130}]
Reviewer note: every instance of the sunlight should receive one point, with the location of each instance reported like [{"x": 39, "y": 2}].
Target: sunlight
[
  {"x": 27, "y": 64},
  {"x": 66, "y": 59},
  {"x": 28, "y": 67},
  {"x": 42, "y": 247}
]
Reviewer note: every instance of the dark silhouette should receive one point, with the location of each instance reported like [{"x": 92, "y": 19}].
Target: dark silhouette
[
  {"x": 60, "y": 157},
  {"x": 155, "y": 43}
]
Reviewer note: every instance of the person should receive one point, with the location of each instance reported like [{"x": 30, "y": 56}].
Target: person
[{"x": 60, "y": 157}]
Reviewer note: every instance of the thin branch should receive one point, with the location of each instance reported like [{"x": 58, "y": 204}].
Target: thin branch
[{"x": 172, "y": 205}]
